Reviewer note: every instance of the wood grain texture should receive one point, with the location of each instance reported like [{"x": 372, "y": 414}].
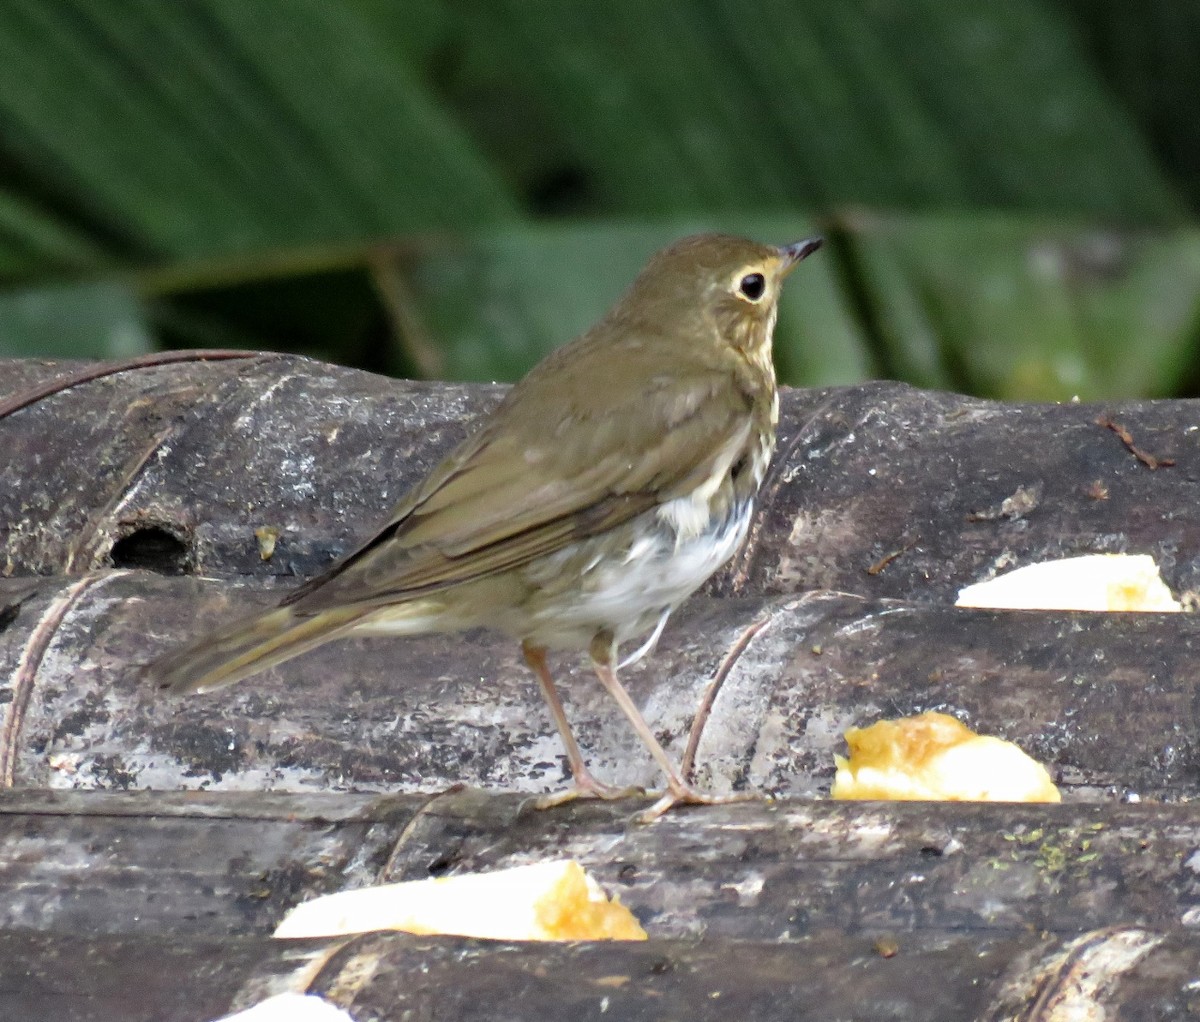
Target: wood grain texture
[
  {"x": 210, "y": 451},
  {"x": 148, "y": 846},
  {"x": 1108, "y": 702},
  {"x": 941, "y": 911}
]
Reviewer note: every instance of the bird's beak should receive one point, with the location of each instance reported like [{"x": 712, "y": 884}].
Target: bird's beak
[{"x": 798, "y": 250}]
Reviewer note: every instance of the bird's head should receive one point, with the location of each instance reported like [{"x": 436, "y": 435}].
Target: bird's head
[{"x": 714, "y": 285}]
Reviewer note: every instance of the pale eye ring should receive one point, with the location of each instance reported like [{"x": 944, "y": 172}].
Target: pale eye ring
[{"x": 752, "y": 286}]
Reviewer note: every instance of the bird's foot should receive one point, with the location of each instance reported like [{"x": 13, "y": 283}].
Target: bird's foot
[
  {"x": 686, "y": 795},
  {"x": 586, "y": 786}
]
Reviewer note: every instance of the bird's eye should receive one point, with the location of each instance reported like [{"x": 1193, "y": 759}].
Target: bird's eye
[{"x": 752, "y": 286}]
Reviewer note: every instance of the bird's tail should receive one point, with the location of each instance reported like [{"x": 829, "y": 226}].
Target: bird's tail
[{"x": 247, "y": 647}]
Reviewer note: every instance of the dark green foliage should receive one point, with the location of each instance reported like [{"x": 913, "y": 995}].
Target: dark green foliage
[{"x": 451, "y": 188}]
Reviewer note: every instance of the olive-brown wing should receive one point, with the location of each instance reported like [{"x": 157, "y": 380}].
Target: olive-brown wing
[{"x": 519, "y": 491}]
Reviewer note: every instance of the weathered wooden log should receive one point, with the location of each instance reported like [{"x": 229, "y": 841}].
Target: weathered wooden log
[
  {"x": 1108, "y": 701},
  {"x": 207, "y": 864},
  {"x": 173, "y": 467},
  {"x": 815, "y": 910},
  {"x": 1130, "y": 973},
  {"x": 879, "y": 490},
  {"x": 820, "y": 889},
  {"x": 259, "y": 470}
]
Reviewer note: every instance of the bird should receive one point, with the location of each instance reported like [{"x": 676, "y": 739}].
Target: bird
[{"x": 606, "y": 487}]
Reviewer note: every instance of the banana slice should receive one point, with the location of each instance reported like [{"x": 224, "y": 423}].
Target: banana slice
[
  {"x": 290, "y": 1007},
  {"x": 1105, "y": 582},
  {"x": 934, "y": 757},
  {"x": 543, "y": 901}
]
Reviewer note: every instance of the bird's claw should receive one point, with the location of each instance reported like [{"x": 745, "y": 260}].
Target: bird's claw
[
  {"x": 685, "y": 795},
  {"x": 586, "y": 786}
]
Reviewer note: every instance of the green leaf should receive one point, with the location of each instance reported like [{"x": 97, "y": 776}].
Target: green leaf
[
  {"x": 95, "y": 320},
  {"x": 704, "y": 106},
  {"x": 206, "y": 128},
  {"x": 1148, "y": 54},
  {"x": 1017, "y": 308},
  {"x": 33, "y": 241}
]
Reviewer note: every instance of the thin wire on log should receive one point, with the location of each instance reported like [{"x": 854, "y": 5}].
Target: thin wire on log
[
  {"x": 98, "y": 370},
  {"x": 714, "y": 687},
  {"x": 27, "y": 669}
]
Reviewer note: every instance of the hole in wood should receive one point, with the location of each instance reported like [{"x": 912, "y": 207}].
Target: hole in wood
[
  {"x": 442, "y": 865},
  {"x": 152, "y": 548}
]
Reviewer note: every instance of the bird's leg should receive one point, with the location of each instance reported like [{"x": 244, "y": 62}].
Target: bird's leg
[
  {"x": 679, "y": 792},
  {"x": 584, "y": 784}
]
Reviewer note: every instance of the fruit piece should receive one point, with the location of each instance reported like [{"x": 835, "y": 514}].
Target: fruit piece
[
  {"x": 1107, "y": 582},
  {"x": 935, "y": 757},
  {"x": 543, "y": 901}
]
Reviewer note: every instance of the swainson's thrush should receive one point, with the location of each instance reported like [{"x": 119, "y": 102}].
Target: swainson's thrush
[{"x": 615, "y": 478}]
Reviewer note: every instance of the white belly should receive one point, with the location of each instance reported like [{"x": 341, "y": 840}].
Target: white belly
[
  {"x": 629, "y": 596},
  {"x": 573, "y": 599}
]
